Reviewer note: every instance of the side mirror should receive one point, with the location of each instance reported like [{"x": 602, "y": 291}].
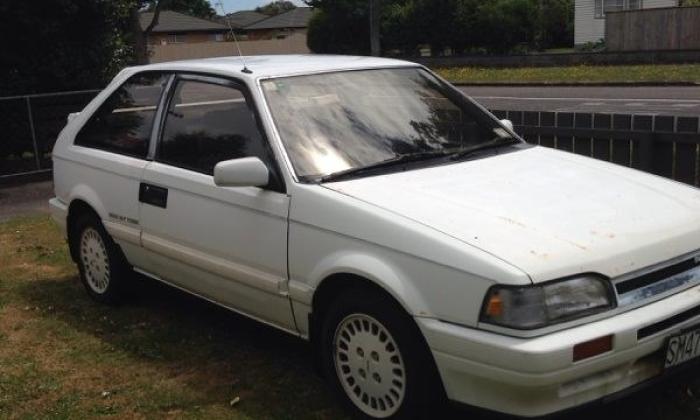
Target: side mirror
[
  {"x": 508, "y": 124},
  {"x": 243, "y": 172}
]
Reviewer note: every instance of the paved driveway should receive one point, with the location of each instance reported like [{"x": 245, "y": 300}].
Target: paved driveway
[{"x": 25, "y": 199}]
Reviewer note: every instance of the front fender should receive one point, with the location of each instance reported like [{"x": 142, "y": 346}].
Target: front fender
[{"x": 382, "y": 273}]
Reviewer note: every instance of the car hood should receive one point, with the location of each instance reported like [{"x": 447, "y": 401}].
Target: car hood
[{"x": 550, "y": 213}]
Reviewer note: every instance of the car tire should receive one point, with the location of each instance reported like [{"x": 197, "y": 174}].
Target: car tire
[
  {"x": 376, "y": 359},
  {"x": 103, "y": 269}
]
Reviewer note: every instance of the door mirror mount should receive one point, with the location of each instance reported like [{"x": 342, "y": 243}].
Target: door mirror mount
[
  {"x": 243, "y": 172},
  {"x": 508, "y": 124}
]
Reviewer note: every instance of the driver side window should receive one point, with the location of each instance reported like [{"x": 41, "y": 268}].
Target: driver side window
[{"x": 207, "y": 123}]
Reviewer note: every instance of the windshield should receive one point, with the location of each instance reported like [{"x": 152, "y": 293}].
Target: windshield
[{"x": 336, "y": 122}]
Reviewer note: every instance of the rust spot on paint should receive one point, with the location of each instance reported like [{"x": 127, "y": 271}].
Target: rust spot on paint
[
  {"x": 512, "y": 221},
  {"x": 606, "y": 235},
  {"x": 544, "y": 256}
]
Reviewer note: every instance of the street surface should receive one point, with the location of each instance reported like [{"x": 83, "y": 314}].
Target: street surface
[{"x": 673, "y": 100}]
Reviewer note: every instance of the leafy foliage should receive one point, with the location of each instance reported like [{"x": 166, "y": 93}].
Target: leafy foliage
[
  {"x": 276, "y": 7},
  {"x": 198, "y": 8},
  {"x": 339, "y": 26},
  {"x": 461, "y": 25},
  {"x": 56, "y": 45}
]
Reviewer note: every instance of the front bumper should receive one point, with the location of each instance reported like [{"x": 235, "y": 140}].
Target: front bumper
[{"x": 533, "y": 377}]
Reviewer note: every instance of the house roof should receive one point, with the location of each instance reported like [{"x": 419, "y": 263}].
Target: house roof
[
  {"x": 295, "y": 18},
  {"x": 170, "y": 21},
  {"x": 244, "y": 18}
]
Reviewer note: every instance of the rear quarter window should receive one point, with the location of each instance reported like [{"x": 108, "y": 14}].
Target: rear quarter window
[{"x": 123, "y": 123}]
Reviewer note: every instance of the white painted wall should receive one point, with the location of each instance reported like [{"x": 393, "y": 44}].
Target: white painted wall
[{"x": 589, "y": 29}]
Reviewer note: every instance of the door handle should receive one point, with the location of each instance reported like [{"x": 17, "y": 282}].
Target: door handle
[{"x": 153, "y": 195}]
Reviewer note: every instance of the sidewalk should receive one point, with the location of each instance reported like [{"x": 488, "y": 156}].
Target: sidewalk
[{"x": 23, "y": 200}]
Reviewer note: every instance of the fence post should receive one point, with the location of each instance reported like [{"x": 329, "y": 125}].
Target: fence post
[
  {"x": 31, "y": 128},
  {"x": 646, "y": 152}
]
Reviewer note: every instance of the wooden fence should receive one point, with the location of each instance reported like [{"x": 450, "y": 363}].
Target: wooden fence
[
  {"x": 676, "y": 28},
  {"x": 664, "y": 145}
]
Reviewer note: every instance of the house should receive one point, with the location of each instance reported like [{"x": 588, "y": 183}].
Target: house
[
  {"x": 178, "y": 28},
  {"x": 242, "y": 18},
  {"x": 295, "y": 21},
  {"x": 589, "y": 24}
]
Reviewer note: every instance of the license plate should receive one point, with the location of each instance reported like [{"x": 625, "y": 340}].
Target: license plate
[{"x": 682, "y": 348}]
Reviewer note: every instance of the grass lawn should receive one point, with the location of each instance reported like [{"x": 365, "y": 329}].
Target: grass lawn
[
  {"x": 169, "y": 355},
  {"x": 577, "y": 74},
  {"x": 163, "y": 355}
]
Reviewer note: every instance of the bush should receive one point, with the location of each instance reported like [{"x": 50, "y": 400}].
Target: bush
[
  {"x": 54, "y": 45},
  {"x": 493, "y": 26}
]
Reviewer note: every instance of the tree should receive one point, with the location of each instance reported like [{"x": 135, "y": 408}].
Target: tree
[
  {"x": 339, "y": 26},
  {"x": 198, "y": 8},
  {"x": 276, "y": 7},
  {"x": 556, "y": 23},
  {"x": 503, "y": 25},
  {"x": 56, "y": 45}
]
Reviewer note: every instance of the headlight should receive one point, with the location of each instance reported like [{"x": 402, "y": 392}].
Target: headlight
[{"x": 540, "y": 305}]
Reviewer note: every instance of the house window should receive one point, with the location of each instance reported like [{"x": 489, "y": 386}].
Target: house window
[
  {"x": 634, "y": 4},
  {"x": 604, "y": 6},
  {"x": 216, "y": 37},
  {"x": 176, "y": 38}
]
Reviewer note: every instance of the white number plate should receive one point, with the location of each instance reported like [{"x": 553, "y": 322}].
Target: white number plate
[{"x": 682, "y": 348}]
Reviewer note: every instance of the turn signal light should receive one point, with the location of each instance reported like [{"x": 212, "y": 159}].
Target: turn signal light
[
  {"x": 592, "y": 348},
  {"x": 494, "y": 306}
]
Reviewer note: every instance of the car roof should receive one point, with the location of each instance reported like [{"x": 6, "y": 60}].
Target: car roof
[{"x": 265, "y": 66}]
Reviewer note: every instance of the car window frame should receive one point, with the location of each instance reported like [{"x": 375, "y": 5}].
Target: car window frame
[
  {"x": 154, "y": 123},
  {"x": 276, "y": 184}
]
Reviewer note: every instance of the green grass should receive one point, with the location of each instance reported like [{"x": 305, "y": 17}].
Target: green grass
[
  {"x": 162, "y": 355},
  {"x": 168, "y": 355},
  {"x": 576, "y": 74}
]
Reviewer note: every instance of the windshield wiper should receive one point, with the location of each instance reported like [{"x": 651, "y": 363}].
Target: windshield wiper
[
  {"x": 492, "y": 144},
  {"x": 396, "y": 160}
]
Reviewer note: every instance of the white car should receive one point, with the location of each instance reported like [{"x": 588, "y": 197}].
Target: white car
[{"x": 370, "y": 207}]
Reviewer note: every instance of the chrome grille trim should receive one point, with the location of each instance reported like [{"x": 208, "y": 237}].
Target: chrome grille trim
[{"x": 659, "y": 281}]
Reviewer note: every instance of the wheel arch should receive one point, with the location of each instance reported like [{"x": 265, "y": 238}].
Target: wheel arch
[
  {"x": 76, "y": 208},
  {"x": 364, "y": 272},
  {"x": 335, "y": 284}
]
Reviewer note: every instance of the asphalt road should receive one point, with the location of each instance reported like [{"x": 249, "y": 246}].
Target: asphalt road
[{"x": 674, "y": 100}]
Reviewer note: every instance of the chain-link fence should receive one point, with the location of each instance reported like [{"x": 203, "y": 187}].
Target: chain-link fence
[{"x": 30, "y": 125}]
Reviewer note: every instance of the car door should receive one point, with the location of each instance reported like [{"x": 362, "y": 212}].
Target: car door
[
  {"x": 110, "y": 150},
  {"x": 228, "y": 245}
]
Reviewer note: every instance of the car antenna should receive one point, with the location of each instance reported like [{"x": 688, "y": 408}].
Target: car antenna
[{"x": 245, "y": 70}]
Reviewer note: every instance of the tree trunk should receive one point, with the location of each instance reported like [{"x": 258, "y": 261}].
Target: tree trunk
[{"x": 141, "y": 35}]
